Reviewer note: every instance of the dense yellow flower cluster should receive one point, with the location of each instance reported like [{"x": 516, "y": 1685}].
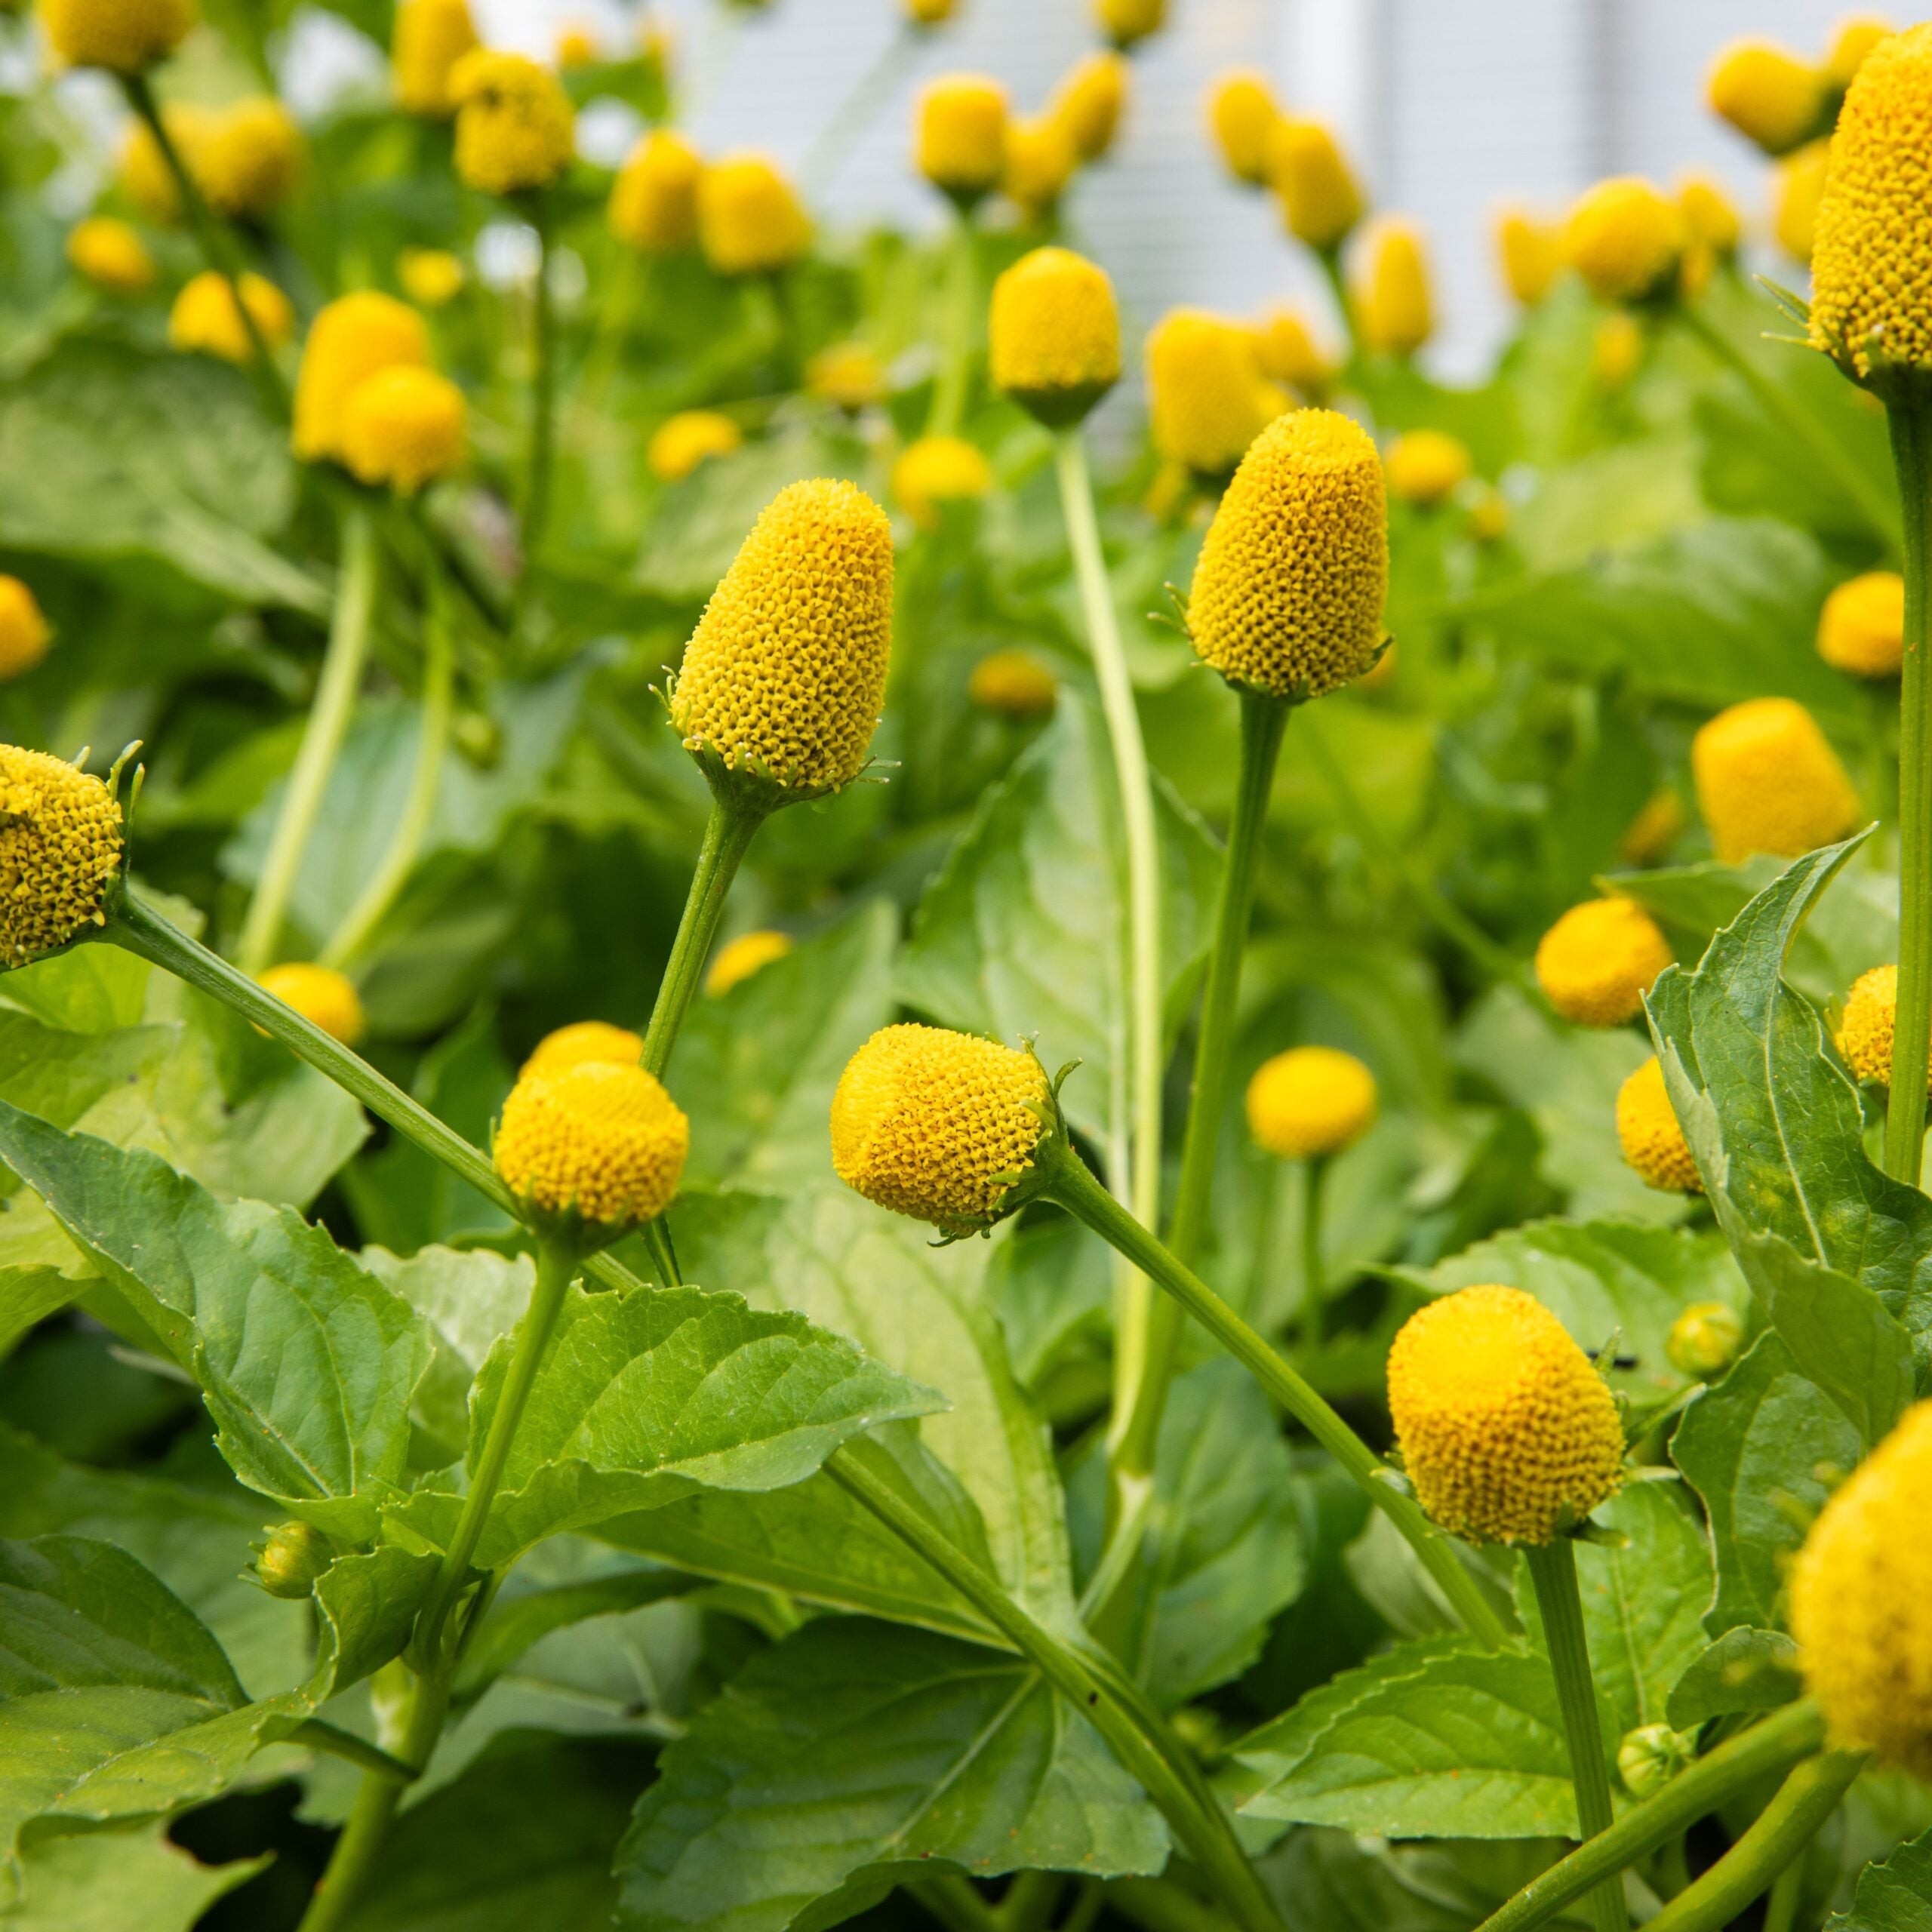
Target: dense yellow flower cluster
[
  {"x": 1394, "y": 299},
  {"x": 431, "y": 278},
  {"x": 599, "y": 1140},
  {"x": 1626, "y": 239},
  {"x": 1426, "y": 466},
  {"x": 124, "y": 36},
  {"x": 430, "y": 39},
  {"x": 1648, "y": 1132},
  {"x": 1289, "y": 355},
  {"x": 1768, "y": 780},
  {"x": 1531, "y": 251},
  {"x": 352, "y": 339},
  {"x": 580, "y": 1043},
  {"x": 748, "y": 220},
  {"x": 960, "y": 147},
  {"x": 24, "y": 633},
  {"x": 739, "y": 958},
  {"x": 937, "y": 470},
  {"x": 59, "y": 847},
  {"x": 206, "y": 319},
  {"x": 1089, "y": 101},
  {"x": 1309, "y": 1102},
  {"x": 404, "y": 427},
  {"x": 1207, "y": 396},
  {"x": 321, "y": 995},
  {"x": 515, "y": 128},
  {"x": 1861, "y": 629},
  {"x": 1241, "y": 116},
  {"x": 1320, "y": 198},
  {"x": 1011, "y": 684},
  {"x": 1128, "y": 21},
  {"x": 680, "y": 443},
  {"x": 848, "y": 374},
  {"x": 1040, "y": 159},
  {"x": 653, "y": 201},
  {"x": 1705, "y": 1339},
  {"x": 1598, "y": 961},
  {"x": 111, "y": 255},
  {"x": 1798, "y": 190},
  {"x": 1768, "y": 94},
  {"x": 246, "y": 157},
  {"x": 1053, "y": 334},
  {"x": 1866, "y": 1030}
]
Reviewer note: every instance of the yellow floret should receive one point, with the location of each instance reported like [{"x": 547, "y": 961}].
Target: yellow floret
[
  {"x": 937, "y": 1124},
  {"x": 680, "y": 443},
  {"x": 1309, "y": 1102},
  {"x": 515, "y": 128},
  {"x": 1626, "y": 239},
  {"x": 739, "y": 958},
  {"x": 1321, "y": 199},
  {"x": 1599, "y": 960},
  {"x": 599, "y": 1140},
  {"x": 403, "y": 428},
  {"x": 936, "y": 470},
  {"x": 1712, "y": 215},
  {"x": 352, "y": 339},
  {"x": 1861, "y": 1603},
  {"x": 1796, "y": 190},
  {"x": 1011, "y": 684},
  {"x": 653, "y": 201},
  {"x": 785, "y": 672},
  {"x": 1705, "y": 1340},
  {"x": 1872, "y": 265},
  {"x": 848, "y": 374},
  {"x": 430, "y": 39},
  {"x": 1768, "y": 780},
  {"x": 1648, "y": 1131},
  {"x": 1127, "y": 22},
  {"x": 1089, "y": 101},
  {"x": 1767, "y": 93},
  {"x": 1053, "y": 334},
  {"x": 1862, "y": 628},
  {"x": 1506, "y": 1431},
  {"x": 575, "y": 46},
  {"x": 111, "y": 255},
  {"x": 1040, "y": 161},
  {"x": 59, "y": 847},
  {"x": 24, "y": 634},
  {"x": 247, "y": 159},
  {"x": 1208, "y": 397},
  {"x": 748, "y": 220},
  {"x": 1288, "y": 591},
  {"x": 960, "y": 145},
  {"x": 431, "y": 278},
  {"x": 126, "y": 36},
  {"x": 1530, "y": 251},
  {"x": 1852, "y": 40},
  {"x": 1617, "y": 349},
  {"x": 580, "y": 1043},
  {"x": 1425, "y": 466},
  {"x": 207, "y": 320},
  {"x": 1289, "y": 354},
  {"x": 321, "y": 995},
  {"x": 1241, "y": 114},
  {"x": 1864, "y": 1035},
  {"x": 1397, "y": 309}
]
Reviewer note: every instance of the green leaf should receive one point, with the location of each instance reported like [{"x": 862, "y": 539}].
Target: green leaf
[
  {"x": 856, "y": 1754},
  {"x": 512, "y": 1627},
  {"x": 92, "y": 990},
  {"x": 109, "y": 1879},
  {"x": 1895, "y": 1896},
  {"x": 1334, "y": 1881},
  {"x": 1744, "y": 1670}
]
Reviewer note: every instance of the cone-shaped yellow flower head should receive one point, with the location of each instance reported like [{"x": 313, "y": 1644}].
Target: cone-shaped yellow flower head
[
  {"x": 929, "y": 13},
  {"x": 1862, "y": 628},
  {"x": 60, "y": 847},
  {"x": 403, "y": 428},
  {"x": 739, "y": 958},
  {"x": 205, "y": 320},
  {"x": 1089, "y": 101},
  {"x": 1599, "y": 960},
  {"x": 1288, "y": 591},
  {"x": 1241, "y": 114},
  {"x": 936, "y": 470},
  {"x": 680, "y": 443},
  {"x": 1040, "y": 161},
  {"x": 24, "y": 634},
  {"x": 294, "y": 1557},
  {"x": 1616, "y": 350},
  {"x": 1796, "y": 190},
  {"x": 1289, "y": 354},
  {"x": 1768, "y": 94},
  {"x": 1053, "y": 334},
  {"x": 1861, "y": 1603},
  {"x": 1648, "y": 1131},
  {"x": 785, "y": 672},
  {"x": 125, "y": 36},
  {"x": 1768, "y": 780},
  {"x": 1626, "y": 239},
  {"x": 514, "y": 127},
  {"x": 1397, "y": 308},
  {"x": 1127, "y": 22},
  {"x": 1852, "y": 40},
  {"x": 321, "y": 995},
  {"x": 352, "y": 339},
  {"x": 937, "y": 1124},
  {"x": 430, "y": 38},
  {"x": 248, "y": 160},
  {"x": 748, "y": 220},
  {"x": 1208, "y": 398},
  {"x": 600, "y": 1141},
  {"x": 1488, "y": 522},
  {"x": 431, "y": 278},
  {"x": 1872, "y": 263},
  {"x": 959, "y": 142},
  {"x": 1705, "y": 1339},
  {"x": 1506, "y": 1431},
  {"x": 580, "y": 1043},
  {"x": 1710, "y": 214},
  {"x": 653, "y": 201},
  {"x": 1865, "y": 1033},
  {"x": 1530, "y": 252},
  {"x": 1013, "y": 684},
  {"x": 111, "y": 255},
  {"x": 1320, "y": 198},
  {"x": 1425, "y": 466},
  {"x": 1309, "y": 1102},
  {"x": 848, "y": 374}
]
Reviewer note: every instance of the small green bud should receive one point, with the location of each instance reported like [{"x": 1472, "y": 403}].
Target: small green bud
[
  {"x": 1650, "y": 1756},
  {"x": 480, "y": 739},
  {"x": 295, "y": 1555},
  {"x": 1704, "y": 1339}
]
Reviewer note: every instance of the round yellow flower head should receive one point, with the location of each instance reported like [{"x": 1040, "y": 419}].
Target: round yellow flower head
[
  {"x": 430, "y": 39},
  {"x": 937, "y": 1124},
  {"x": 1507, "y": 1432},
  {"x": 24, "y": 634},
  {"x": 59, "y": 847},
  {"x": 929, "y": 13},
  {"x": 576, "y": 47},
  {"x": 403, "y": 428},
  {"x": 1040, "y": 161},
  {"x": 125, "y": 36},
  {"x": 1705, "y": 1340},
  {"x": 1288, "y": 590},
  {"x": 748, "y": 220},
  {"x": 352, "y": 339},
  {"x": 1309, "y": 1102},
  {"x": 1852, "y": 40},
  {"x": 1617, "y": 349},
  {"x": 1861, "y": 1603},
  {"x": 1320, "y": 198},
  {"x": 1654, "y": 831},
  {"x": 1768, "y": 94},
  {"x": 1865, "y": 1033},
  {"x": 680, "y": 443},
  {"x": 1796, "y": 190},
  {"x": 321, "y": 995},
  {"x": 1241, "y": 114},
  {"x": 1626, "y": 240},
  {"x": 739, "y": 958},
  {"x": 653, "y": 201},
  {"x": 1531, "y": 251},
  {"x": 431, "y": 278},
  {"x": 960, "y": 137},
  {"x": 936, "y": 470},
  {"x": 1208, "y": 398},
  {"x": 1013, "y": 684},
  {"x": 1488, "y": 519},
  {"x": 248, "y": 159},
  {"x": 294, "y": 1556},
  {"x": 1425, "y": 466},
  {"x": 1712, "y": 215},
  {"x": 1768, "y": 780},
  {"x": 600, "y": 1143},
  {"x": 1289, "y": 354},
  {"x": 785, "y": 674},
  {"x": 515, "y": 129},
  {"x": 1871, "y": 267},
  {"x": 206, "y": 320},
  {"x": 1862, "y": 628},
  {"x": 1598, "y": 961},
  {"x": 1053, "y": 334},
  {"x": 848, "y": 375},
  {"x": 1089, "y": 101},
  {"x": 1648, "y": 1131},
  {"x": 1397, "y": 311},
  {"x": 1126, "y": 22},
  {"x": 111, "y": 255},
  {"x": 578, "y": 1044}
]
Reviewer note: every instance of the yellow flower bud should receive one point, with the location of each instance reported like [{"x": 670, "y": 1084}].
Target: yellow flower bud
[
  {"x": 1862, "y": 628},
  {"x": 575, "y": 46},
  {"x": 352, "y": 339},
  {"x": 1852, "y": 40},
  {"x": 1864, "y": 1035},
  {"x": 600, "y": 1142},
  {"x": 1650, "y": 1756},
  {"x": 1598, "y": 961},
  {"x": 785, "y": 673},
  {"x": 430, "y": 39},
  {"x": 288, "y": 1564},
  {"x": 1767, "y": 93},
  {"x": 111, "y": 255},
  {"x": 1425, "y": 466},
  {"x": 24, "y": 634},
  {"x": 1053, "y": 334},
  {"x": 848, "y": 375},
  {"x": 1040, "y": 161},
  {"x": 1710, "y": 214},
  {"x": 929, "y": 13},
  {"x": 1241, "y": 114},
  {"x": 125, "y": 36},
  {"x": 1089, "y": 101},
  {"x": 142, "y": 172},
  {"x": 1125, "y": 22},
  {"x": 1397, "y": 310},
  {"x": 207, "y": 320},
  {"x": 936, "y": 470},
  {"x": 1626, "y": 240},
  {"x": 1321, "y": 199},
  {"x": 961, "y": 135},
  {"x": 1488, "y": 521},
  {"x": 60, "y": 847},
  {"x": 1646, "y": 1130},
  {"x": 1288, "y": 590},
  {"x": 248, "y": 159},
  {"x": 1796, "y": 190},
  {"x": 1768, "y": 780},
  {"x": 431, "y": 278},
  {"x": 680, "y": 443},
  {"x": 1507, "y": 1432},
  {"x": 739, "y": 958},
  {"x": 748, "y": 220},
  {"x": 1616, "y": 350},
  {"x": 1208, "y": 398},
  {"x": 1654, "y": 831},
  {"x": 1861, "y": 1603},
  {"x": 1531, "y": 251},
  {"x": 515, "y": 128},
  {"x": 403, "y": 428},
  {"x": 578, "y": 1044},
  {"x": 653, "y": 201},
  {"x": 321, "y": 995},
  {"x": 1011, "y": 683},
  {"x": 1310, "y": 1101},
  {"x": 1289, "y": 353},
  {"x": 1705, "y": 1340},
  {"x": 937, "y": 1124}
]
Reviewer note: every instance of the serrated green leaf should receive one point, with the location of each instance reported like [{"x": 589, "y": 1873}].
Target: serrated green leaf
[
  {"x": 1894, "y": 1896},
  {"x": 107, "y": 1880},
  {"x": 1744, "y": 1670},
  {"x": 1327, "y": 1880}
]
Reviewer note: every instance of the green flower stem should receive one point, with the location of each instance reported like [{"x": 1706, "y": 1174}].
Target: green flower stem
[
  {"x": 1553, "y": 1572},
  {"x": 1787, "y": 1889},
  {"x": 1145, "y": 1749},
  {"x": 1781, "y": 1740},
  {"x": 543, "y": 393},
  {"x": 1159, "y": 1905},
  {"x": 855, "y": 113},
  {"x": 1070, "y": 1184},
  {"x": 1314, "y": 1173},
  {"x": 1330, "y": 260},
  {"x": 321, "y": 740},
  {"x": 956, "y": 1903},
  {"x": 962, "y": 302},
  {"x": 1905, "y": 1117},
  {"x": 320, "y": 1735}
]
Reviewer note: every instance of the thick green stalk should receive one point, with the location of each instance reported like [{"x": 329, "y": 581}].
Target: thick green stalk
[
  {"x": 1070, "y": 1184},
  {"x": 1314, "y": 1172},
  {"x": 1553, "y": 1572},
  {"x": 321, "y": 740},
  {"x": 543, "y": 395},
  {"x": 1330, "y": 261},
  {"x": 962, "y": 302},
  {"x": 1787, "y": 1889}
]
